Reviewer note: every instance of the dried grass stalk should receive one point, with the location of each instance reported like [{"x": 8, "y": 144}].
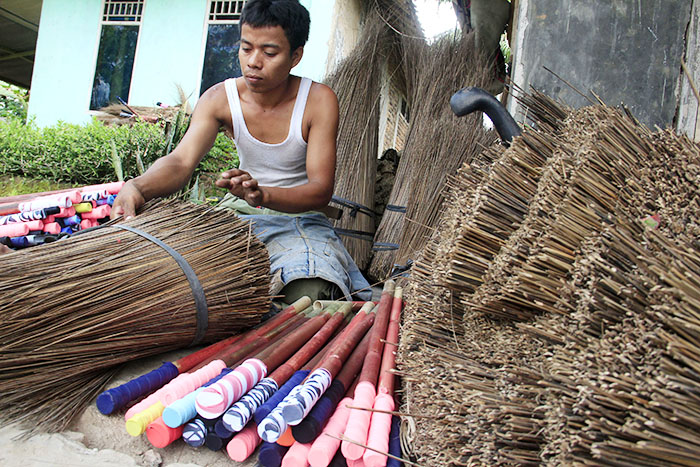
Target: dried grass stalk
[{"x": 73, "y": 310}]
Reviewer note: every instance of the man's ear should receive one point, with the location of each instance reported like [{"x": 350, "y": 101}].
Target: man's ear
[{"x": 296, "y": 56}]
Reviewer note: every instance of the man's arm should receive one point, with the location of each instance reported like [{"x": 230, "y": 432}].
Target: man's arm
[
  {"x": 320, "y": 163},
  {"x": 171, "y": 172}
]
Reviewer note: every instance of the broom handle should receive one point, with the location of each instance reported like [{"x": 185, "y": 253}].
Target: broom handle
[
  {"x": 309, "y": 429},
  {"x": 386, "y": 376},
  {"x": 116, "y": 398},
  {"x": 384, "y": 404},
  {"x": 366, "y": 391},
  {"x": 370, "y": 367},
  {"x": 238, "y": 415}
]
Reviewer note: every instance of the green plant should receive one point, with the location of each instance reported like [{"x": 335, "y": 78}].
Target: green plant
[
  {"x": 83, "y": 154},
  {"x": 13, "y": 101}
]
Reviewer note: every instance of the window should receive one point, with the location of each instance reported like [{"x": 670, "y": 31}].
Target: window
[
  {"x": 115, "y": 56},
  {"x": 223, "y": 36},
  {"x": 404, "y": 109},
  {"x": 226, "y": 10}
]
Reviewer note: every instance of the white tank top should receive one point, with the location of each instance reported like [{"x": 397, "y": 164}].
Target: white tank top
[{"x": 281, "y": 164}]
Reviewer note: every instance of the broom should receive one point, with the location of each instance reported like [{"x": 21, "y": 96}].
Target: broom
[{"x": 75, "y": 309}]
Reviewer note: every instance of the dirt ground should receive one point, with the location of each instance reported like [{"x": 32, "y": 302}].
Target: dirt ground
[{"x": 96, "y": 440}]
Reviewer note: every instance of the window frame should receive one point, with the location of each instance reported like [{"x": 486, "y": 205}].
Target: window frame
[
  {"x": 205, "y": 35},
  {"x": 102, "y": 23}
]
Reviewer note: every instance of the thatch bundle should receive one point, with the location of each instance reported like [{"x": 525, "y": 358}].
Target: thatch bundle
[
  {"x": 73, "y": 310},
  {"x": 585, "y": 350},
  {"x": 358, "y": 84},
  {"x": 438, "y": 143}
]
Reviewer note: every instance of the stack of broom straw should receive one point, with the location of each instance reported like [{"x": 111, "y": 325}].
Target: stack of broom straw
[
  {"x": 438, "y": 143},
  {"x": 555, "y": 307},
  {"x": 358, "y": 84},
  {"x": 74, "y": 310}
]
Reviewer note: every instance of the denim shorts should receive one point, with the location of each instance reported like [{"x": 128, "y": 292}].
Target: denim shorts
[{"x": 303, "y": 246}]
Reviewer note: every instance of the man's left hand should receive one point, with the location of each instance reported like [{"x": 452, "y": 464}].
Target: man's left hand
[{"x": 241, "y": 184}]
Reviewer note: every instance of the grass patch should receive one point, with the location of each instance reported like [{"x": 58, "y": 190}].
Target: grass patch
[{"x": 13, "y": 185}]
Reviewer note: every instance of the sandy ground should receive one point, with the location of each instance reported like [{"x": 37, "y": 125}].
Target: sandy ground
[{"x": 96, "y": 440}]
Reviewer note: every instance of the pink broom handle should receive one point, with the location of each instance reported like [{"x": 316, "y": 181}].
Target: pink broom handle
[
  {"x": 116, "y": 398},
  {"x": 358, "y": 422},
  {"x": 238, "y": 415},
  {"x": 215, "y": 399},
  {"x": 244, "y": 443},
  {"x": 326, "y": 445},
  {"x": 380, "y": 426},
  {"x": 19, "y": 229}
]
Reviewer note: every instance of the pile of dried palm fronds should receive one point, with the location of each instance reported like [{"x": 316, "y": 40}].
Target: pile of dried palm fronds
[
  {"x": 73, "y": 310},
  {"x": 438, "y": 143},
  {"x": 547, "y": 323},
  {"x": 358, "y": 84}
]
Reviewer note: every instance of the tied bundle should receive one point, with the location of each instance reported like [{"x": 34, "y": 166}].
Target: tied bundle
[
  {"x": 35, "y": 219},
  {"x": 73, "y": 310},
  {"x": 575, "y": 282}
]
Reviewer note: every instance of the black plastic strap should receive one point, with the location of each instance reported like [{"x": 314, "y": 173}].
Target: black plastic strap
[
  {"x": 369, "y": 236},
  {"x": 199, "y": 299},
  {"x": 355, "y": 207},
  {"x": 395, "y": 208},
  {"x": 382, "y": 246}
]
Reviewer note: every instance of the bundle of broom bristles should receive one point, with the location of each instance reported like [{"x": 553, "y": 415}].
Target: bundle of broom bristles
[
  {"x": 74, "y": 310},
  {"x": 553, "y": 317}
]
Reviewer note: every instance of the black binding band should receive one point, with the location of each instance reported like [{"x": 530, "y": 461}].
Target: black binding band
[
  {"x": 395, "y": 208},
  {"x": 197, "y": 291}
]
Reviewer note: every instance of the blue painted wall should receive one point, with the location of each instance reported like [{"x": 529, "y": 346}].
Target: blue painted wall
[{"x": 170, "y": 52}]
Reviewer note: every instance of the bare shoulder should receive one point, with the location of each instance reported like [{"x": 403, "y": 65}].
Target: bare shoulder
[
  {"x": 322, "y": 94},
  {"x": 213, "y": 103},
  {"x": 323, "y": 102}
]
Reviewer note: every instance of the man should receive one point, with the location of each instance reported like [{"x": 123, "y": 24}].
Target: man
[{"x": 285, "y": 129}]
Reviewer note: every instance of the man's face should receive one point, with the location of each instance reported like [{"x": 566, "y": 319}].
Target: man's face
[{"x": 265, "y": 58}]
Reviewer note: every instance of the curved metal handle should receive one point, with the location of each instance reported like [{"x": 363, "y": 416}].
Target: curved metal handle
[{"x": 470, "y": 99}]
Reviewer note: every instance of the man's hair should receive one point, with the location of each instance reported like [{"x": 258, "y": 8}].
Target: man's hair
[{"x": 289, "y": 14}]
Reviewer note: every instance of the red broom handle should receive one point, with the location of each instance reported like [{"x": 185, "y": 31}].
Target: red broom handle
[
  {"x": 333, "y": 362},
  {"x": 240, "y": 350},
  {"x": 353, "y": 364},
  {"x": 386, "y": 376},
  {"x": 284, "y": 316},
  {"x": 311, "y": 348},
  {"x": 188, "y": 362},
  {"x": 373, "y": 359},
  {"x": 284, "y": 348}
]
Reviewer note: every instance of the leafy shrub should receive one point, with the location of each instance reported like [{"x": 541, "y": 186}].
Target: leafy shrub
[
  {"x": 13, "y": 101},
  {"x": 82, "y": 154}
]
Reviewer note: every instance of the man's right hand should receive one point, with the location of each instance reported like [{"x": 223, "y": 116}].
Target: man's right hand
[{"x": 128, "y": 201}]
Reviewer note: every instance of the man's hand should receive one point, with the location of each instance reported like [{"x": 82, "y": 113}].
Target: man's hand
[
  {"x": 241, "y": 184},
  {"x": 4, "y": 249},
  {"x": 128, "y": 201}
]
